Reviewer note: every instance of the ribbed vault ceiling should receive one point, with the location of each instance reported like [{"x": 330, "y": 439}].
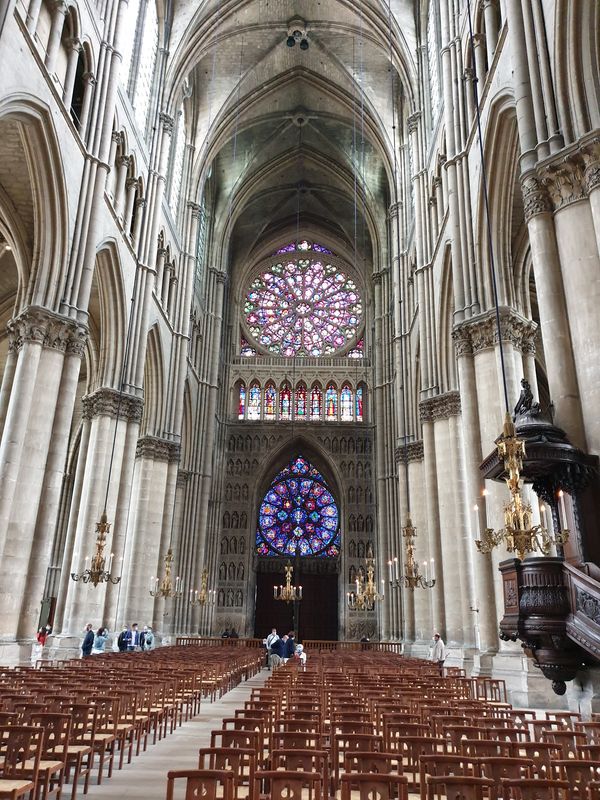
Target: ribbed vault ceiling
[{"x": 277, "y": 128}]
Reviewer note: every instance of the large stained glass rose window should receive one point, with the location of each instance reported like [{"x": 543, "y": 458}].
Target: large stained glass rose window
[
  {"x": 298, "y": 512},
  {"x": 303, "y": 306}
]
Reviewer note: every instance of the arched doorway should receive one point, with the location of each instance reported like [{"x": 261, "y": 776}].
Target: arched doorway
[{"x": 298, "y": 520}]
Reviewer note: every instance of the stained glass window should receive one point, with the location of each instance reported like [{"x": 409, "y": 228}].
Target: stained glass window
[
  {"x": 285, "y": 402},
  {"x": 303, "y": 307},
  {"x": 246, "y": 350},
  {"x": 331, "y": 401},
  {"x": 298, "y": 512},
  {"x": 270, "y": 402},
  {"x": 358, "y": 351},
  {"x": 359, "y": 404},
  {"x": 303, "y": 246},
  {"x": 242, "y": 401},
  {"x": 346, "y": 404},
  {"x": 301, "y": 402},
  {"x": 316, "y": 403},
  {"x": 254, "y": 401}
]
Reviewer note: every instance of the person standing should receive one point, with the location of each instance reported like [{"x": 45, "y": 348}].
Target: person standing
[
  {"x": 133, "y": 638},
  {"x": 100, "y": 641},
  {"x": 122, "y": 640},
  {"x": 148, "y": 640},
  {"x": 289, "y": 648},
  {"x": 438, "y": 654},
  {"x": 276, "y": 654},
  {"x": 88, "y": 641}
]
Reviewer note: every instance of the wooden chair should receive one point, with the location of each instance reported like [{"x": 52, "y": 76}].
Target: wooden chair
[
  {"x": 80, "y": 752},
  {"x": 53, "y": 763},
  {"x": 375, "y": 762},
  {"x": 242, "y": 764},
  {"x": 288, "y": 785},
  {"x": 22, "y": 749},
  {"x": 498, "y": 767},
  {"x": 346, "y": 743},
  {"x": 441, "y": 764},
  {"x": 302, "y": 761},
  {"x": 208, "y": 784},
  {"x": 485, "y": 748},
  {"x": 536, "y": 789},
  {"x": 594, "y": 790},
  {"x": 578, "y": 773},
  {"x": 458, "y": 787},
  {"x": 567, "y": 740},
  {"x": 374, "y": 785}
]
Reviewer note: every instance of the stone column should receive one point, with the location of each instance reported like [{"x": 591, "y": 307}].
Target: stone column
[
  {"x": 490, "y": 18},
  {"x": 74, "y": 51},
  {"x": 554, "y": 322},
  {"x": 33, "y": 453},
  {"x": 33, "y": 14},
  {"x": 578, "y": 252},
  {"x": 522, "y": 84},
  {"x": 59, "y": 12}
]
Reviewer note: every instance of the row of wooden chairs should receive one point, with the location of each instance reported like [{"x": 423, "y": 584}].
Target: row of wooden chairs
[{"x": 58, "y": 721}]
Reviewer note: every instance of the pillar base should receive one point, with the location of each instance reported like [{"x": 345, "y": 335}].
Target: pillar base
[
  {"x": 526, "y": 686},
  {"x": 17, "y": 653}
]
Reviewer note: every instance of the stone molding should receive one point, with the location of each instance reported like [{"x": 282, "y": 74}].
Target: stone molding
[
  {"x": 221, "y": 277},
  {"x": 157, "y": 449},
  {"x": 415, "y": 452},
  {"x": 167, "y": 123},
  {"x": 183, "y": 476},
  {"x": 480, "y": 333},
  {"x": 442, "y": 406},
  {"x": 412, "y": 122},
  {"x": 106, "y": 402},
  {"x": 52, "y": 331}
]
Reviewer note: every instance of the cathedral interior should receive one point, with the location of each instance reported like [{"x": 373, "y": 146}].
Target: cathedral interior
[{"x": 309, "y": 283}]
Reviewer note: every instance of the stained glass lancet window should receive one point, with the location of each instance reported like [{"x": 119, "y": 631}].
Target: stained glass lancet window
[
  {"x": 242, "y": 401},
  {"x": 298, "y": 512},
  {"x": 316, "y": 403},
  {"x": 270, "y": 401},
  {"x": 254, "y": 401},
  {"x": 331, "y": 399},
  {"x": 303, "y": 306},
  {"x": 285, "y": 402},
  {"x": 346, "y": 404},
  {"x": 301, "y": 401},
  {"x": 245, "y": 349},
  {"x": 359, "y": 404}
]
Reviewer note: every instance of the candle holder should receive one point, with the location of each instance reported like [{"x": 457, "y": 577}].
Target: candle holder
[
  {"x": 519, "y": 535},
  {"x": 96, "y": 573},
  {"x": 287, "y": 593},
  {"x": 411, "y": 578},
  {"x": 204, "y": 597},
  {"x": 165, "y": 588},
  {"x": 366, "y": 595}
]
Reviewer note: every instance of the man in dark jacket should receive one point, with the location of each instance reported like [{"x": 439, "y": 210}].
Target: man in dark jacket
[
  {"x": 88, "y": 641},
  {"x": 290, "y": 646},
  {"x": 122, "y": 640},
  {"x": 276, "y": 655}
]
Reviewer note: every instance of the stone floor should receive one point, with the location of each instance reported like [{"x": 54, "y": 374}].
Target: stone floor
[{"x": 146, "y": 777}]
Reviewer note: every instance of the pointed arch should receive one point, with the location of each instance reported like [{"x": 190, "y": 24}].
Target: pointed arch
[{"x": 154, "y": 385}]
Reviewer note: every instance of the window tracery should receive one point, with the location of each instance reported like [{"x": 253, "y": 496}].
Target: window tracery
[{"x": 298, "y": 513}]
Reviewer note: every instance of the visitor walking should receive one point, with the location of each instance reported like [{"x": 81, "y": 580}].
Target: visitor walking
[
  {"x": 100, "y": 640},
  {"x": 438, "y": 654}
]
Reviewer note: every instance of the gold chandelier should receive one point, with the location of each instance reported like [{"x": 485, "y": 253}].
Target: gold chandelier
[
  {"x": 96, "y": 572},
  {"x": 412, "y": 578},
  {"x": 287, "y": 593},
  {"x": 165, "y": 587},
  {"x": 366, "y": 594},
  {"x": 519, "y": 535},
  {"x": 204, "y": 597}
]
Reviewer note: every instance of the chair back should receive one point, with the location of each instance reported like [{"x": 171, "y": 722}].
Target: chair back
[
  {"x": 289, "y": 785},
  {"x": 57, "y": 732},
  {"x": 458, "y": 787},
  {"x": 374, "y": 785},
  {"x": 22, "y": 749},
  {"x": 536, "y": 789},
  {"x": 208, "y": 784}
]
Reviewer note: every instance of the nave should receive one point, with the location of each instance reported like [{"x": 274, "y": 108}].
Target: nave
[{"x": 199, "y": 721}]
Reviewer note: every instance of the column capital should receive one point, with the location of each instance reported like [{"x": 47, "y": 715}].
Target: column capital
[
  {"x": 536, "y": 199},
  {"x": 131, "y": 183},
  {"x": 75, "y": 44},
  {"x": 564, "y": 181},
  {"x": 412, "y": 122},
  {"x": 167, "y": 123},
  {"x": 157, "y": 449},
  {"x": 481, "y": 332},
  {"x": 436, "y": 182},
  {"x": 195, "y": 209},
  {"x": 394, "y": 210},
  {"x": 478, "y": 39},
  {"x": 442, "y": 406},
  {"x": 220, "y": 277},
  {"x": 52, "y": 331},
  {"x": 106, "y": 401},
  {"x": 415, "y": 452},
  {"x": 183, "y": 476},
  {"x": 591, "y": 158},
  {"x": 122, "y": 161}
]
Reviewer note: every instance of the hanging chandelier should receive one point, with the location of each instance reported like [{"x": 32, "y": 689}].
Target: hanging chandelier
[
  {"x": 366, "y": 595},
  {"x": 411, "y": 578},
  {"x": 96, "y": 572},
  {"x": 287, "y": 593},
  {"x": 165, "y": 587},
  {"x": 204, "y": 597},
  {"x": 519, "y": 535}
]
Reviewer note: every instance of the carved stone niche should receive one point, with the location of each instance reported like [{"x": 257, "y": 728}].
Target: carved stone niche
[{"x": 536, "y": 611}]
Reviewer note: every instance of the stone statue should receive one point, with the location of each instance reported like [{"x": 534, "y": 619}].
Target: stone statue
[{"x": 525, "y": 405}]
